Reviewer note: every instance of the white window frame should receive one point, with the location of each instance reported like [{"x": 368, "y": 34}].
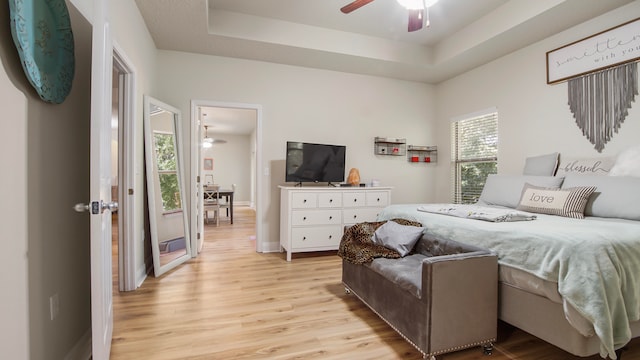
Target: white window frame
[{"x": 458, "y": 160}]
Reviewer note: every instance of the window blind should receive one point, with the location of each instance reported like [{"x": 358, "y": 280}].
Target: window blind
[{"x": 474, "y": 149}]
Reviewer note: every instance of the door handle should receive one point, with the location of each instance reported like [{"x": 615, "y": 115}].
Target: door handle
[{"x": 96, "y": 207}]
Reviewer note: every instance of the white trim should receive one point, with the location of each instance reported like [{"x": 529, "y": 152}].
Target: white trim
[
  {"x": 195, "y": 168},
  {"x": 82, "y": 349},
  {"x": 474, "y": 114},
  {"x": 127, "y": 273}
]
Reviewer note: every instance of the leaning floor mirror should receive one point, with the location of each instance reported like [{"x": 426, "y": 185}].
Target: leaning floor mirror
[{"x": 170, "y": 243}]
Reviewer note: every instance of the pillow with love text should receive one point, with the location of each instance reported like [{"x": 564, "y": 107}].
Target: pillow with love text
[{"x": 569, "y": 202}]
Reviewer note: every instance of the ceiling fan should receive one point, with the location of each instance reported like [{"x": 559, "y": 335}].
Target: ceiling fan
[{"x": 416, "y": 9}]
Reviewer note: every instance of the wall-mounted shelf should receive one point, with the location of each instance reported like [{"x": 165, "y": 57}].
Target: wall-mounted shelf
[
  {"x": 423, "y": 154},
  {"x": 390, "y": 146}
]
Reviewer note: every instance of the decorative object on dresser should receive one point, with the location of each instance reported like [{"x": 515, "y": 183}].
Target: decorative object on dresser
[
  {"x": 313, "y": 218},
  {"x": 354, "y": 177}
]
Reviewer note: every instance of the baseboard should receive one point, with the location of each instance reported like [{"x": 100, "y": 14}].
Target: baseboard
[
  {"x": 82, "y": 349},
  {"x": 141, "y": 275},
  {"x": 271, "y": 247}
]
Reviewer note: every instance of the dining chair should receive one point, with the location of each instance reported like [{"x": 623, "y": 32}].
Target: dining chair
[{"x": 212, "y": 203}]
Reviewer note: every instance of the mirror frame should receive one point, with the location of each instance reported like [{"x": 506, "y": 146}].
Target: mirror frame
[{"x": 159, "y": 268}]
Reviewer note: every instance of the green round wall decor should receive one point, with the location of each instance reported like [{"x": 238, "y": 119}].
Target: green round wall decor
[{"x": 41, "y": 31}]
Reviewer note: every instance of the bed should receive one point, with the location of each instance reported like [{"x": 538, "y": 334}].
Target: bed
[{"x": 573, "y": 282}]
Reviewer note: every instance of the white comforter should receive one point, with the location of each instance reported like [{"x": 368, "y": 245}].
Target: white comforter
[{"x": 595, "y": 261}]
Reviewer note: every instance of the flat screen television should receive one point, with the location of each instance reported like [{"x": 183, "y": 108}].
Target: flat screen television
[{"x": 308, "y": 162}]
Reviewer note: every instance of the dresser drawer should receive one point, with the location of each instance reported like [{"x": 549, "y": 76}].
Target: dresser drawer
[
  {"x": 377, "y": 198},
  {"x": 354, "y": 216},
  {"x": 354, "y": 199},
  {"x": 321, "y": 236},
  {"x": 316, "y": 217},
  {"x": 304, "y": 200},
  {"x": 329, "y": 200}
]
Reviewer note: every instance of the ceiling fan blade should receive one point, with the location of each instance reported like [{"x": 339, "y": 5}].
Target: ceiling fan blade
[
  {"x": 416, "y": 18},
  {"x": 354, "y": 6}
]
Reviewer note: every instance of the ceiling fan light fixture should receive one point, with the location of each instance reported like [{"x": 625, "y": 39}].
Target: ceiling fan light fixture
[{"x": 416, "y": 4}]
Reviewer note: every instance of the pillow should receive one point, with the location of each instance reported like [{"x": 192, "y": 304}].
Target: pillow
[
  {"x": 585, "y": 166},
  {"x": 564, "y": 202},
  {"x": 401, "y": 238},
  {"x": 627, "y": 163},
  {"x": 616, "y": 196},
  {"x": 505, "y": 190},
  {"x": 543, "y": 165}
]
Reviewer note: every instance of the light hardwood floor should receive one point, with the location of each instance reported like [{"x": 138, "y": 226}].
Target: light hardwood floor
[{"x": 233, "y": 303}]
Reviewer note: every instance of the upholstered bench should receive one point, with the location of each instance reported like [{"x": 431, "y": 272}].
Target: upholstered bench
[{"x": 442, "y": 297}]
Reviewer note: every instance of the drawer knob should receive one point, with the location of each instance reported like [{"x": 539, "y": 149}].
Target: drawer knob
[
  {"x": 304, "y": 201},
  {"x": 330, "y": 217},
  {"x": 355, "y": 216},
  {"x": 304, "y": 238},
  {"x": 330, "y": 236},
  {"x": 304, "y": 218},
  {"x": 378, "y": 200},
  {"x": 330, "y": 200},
  {"x": 355, "y": 200}
]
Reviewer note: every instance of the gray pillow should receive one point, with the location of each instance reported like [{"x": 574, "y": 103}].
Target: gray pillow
[
  {"x": 505, "y": 190},
  {"x": 401, "y": 238},
  {"x": 615, "y": 196},
  {"x": 542, "y": 165}
]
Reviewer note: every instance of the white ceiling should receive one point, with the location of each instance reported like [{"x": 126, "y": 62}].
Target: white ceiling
[
  {"x": 222, "y": 120},
  {"x": 372, "y": 40}
]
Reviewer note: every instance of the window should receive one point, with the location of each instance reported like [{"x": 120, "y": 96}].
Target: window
[
  {"x": 167, "y": 170},
  {"x": 474, "y": 155}
]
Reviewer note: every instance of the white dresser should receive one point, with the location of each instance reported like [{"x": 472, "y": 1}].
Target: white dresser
[{"x": 313, "y": 218}]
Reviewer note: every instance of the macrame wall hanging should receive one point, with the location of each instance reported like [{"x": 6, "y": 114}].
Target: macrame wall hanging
[
  {"x": 601, "y": 101},
  {"x": 602, "y": 75}
]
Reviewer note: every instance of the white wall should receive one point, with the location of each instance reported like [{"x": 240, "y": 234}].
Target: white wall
[
  {"x": 312, "y": 105},
  {"x": 231, "y": 165},
  {"x": 13, "y": 212},
  {"x": 534, "y": 117}
]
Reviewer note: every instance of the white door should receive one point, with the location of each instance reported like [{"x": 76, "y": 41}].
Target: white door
[{"x": 100, "y": 184}]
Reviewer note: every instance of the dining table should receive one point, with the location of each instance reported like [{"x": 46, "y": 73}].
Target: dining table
[{"x": 227, "y": 194}]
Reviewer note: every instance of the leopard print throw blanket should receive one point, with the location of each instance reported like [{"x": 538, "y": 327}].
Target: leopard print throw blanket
[{"x": 356, "y": 246}]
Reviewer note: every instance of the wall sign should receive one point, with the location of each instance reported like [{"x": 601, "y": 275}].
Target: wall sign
[{"x": 609, "y": 48}]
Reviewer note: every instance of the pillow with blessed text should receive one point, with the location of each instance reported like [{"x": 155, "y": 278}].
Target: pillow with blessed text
[
  {"x": 563, "y": 202},
  {"x": 585, "y": 166}
]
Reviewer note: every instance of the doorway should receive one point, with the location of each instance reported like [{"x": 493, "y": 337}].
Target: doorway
[
  {"x": 236, "y": 123},
  {"x": 123, "y": 141}
]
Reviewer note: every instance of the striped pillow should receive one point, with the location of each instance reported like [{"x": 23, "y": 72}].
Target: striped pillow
[{"x": 563, "y": 202}]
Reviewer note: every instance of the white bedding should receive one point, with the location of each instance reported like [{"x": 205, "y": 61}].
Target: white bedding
[
  {"x": 594, "y": 261},
  {"x": 478, "y": 212}
]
